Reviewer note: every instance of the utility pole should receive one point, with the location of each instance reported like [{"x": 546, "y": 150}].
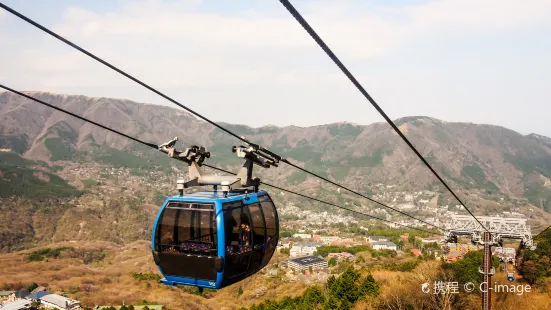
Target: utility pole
[{"x": 487, "y": 271}]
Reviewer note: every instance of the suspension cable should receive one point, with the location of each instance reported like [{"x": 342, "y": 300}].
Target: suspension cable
[
  {"x": 354, "y": 81},
  {"x": 154, "y": 146},
  {"x": 55, "y": 35}
]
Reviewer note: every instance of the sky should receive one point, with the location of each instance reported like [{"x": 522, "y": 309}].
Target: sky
[{"x": 250, "y": 62}]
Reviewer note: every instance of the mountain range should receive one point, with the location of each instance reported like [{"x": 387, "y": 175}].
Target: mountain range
[{"x": 487, "y": 163}]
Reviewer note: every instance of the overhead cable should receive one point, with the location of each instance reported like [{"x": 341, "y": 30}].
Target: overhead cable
[{"x": 354, "y": 81}]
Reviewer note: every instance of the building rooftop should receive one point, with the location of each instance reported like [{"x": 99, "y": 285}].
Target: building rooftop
[
  {"x": 213, "y": 195},
  {"x": 16, "y": 305},
  {"x": 58, "y": 300},
  {"x": 306, "y": 260},
  {"x": 37, "y": 295},
  {"x": 455, "y": 254},
  {"x": 388, "y": 243},
  {"x": 310, "y": 244}
]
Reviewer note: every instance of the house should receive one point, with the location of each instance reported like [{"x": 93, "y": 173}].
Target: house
[
  {"x": 385, "y": 245},
  {"x": 416, "y": 252},
  {"x": 341, "y": 256},
  {"x": 372, "y": 239},
  {"x": 454, "y": 256},
  {"x": 5, "y": 296},
  {"x": 54, "y": 301},
  {"x": 11, "y": 296},
  {"x": 19, "y": 304},
  {"x": 304, "y": 248},
  {"x": 307, "y": 262}
]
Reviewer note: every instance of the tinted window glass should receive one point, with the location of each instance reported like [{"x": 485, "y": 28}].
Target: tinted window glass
[
  {"x": 187, "y": 228},
  {"x": 238, "y": 237},
  {"x": 259, "y": 236},
  {"x": 272, "y": 227},
  {"x": 270, "y": 217},
  {"x": 258, "y": 224}
]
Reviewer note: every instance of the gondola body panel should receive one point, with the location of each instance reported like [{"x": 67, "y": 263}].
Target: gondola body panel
[{"x": 210, "y": 240}]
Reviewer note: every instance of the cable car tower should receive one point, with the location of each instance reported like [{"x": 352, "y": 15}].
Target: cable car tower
[{"x": 499, "y": 228}]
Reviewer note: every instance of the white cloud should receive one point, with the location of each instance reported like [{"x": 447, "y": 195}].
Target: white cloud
[{"x": 263, "y": 56}]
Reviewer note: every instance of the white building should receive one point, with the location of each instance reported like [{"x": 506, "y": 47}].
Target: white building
[
  {"x": 305, "y": 263},
  {"x": 304, "y": 248},
  {"x": 385, "y": 245},
  {"x": 303, "y": 236},
  {"x": 54, "y": 301},
  {"x": 19, "y": 304},
  {"x": 372, "y": 239}
]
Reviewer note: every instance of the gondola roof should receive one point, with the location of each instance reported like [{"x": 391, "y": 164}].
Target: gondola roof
[{"x": 208, "y": 195}]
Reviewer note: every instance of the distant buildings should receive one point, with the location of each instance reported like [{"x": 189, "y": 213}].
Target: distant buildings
[
  {"x": 54, "y": 301},
  {"x": 304, "y": 248},
  {"x": 406, "y": 206},
  {"x": 372, "y": 239},
  {"x": 307, "y": 262},
  {"x": 302, "y": 236},
  {"x": 11, "y": 296},
  {"x": 385, "y": 245},
  {"x": 454, "y": 256},
  {"x": 5, "y": 296},
  {"x": 19, "y": 304},
  {"x": 328, "y": 239}
]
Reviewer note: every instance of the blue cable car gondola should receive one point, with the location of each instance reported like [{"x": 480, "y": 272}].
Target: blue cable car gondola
[{"x": 211, "y": 239}]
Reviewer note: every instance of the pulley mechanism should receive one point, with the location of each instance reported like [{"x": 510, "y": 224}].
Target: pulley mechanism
[{"x": 195, "y": 156}]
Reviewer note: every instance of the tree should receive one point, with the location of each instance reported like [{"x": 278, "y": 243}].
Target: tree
[
  {"x": 240, "y": 291},
  {"x": 35, "y": 304},
  {"x": 32, "y": 287},
  {"x": 400, "y": 244},
  {"x": 313, "y": 296},
  {"x": 531, "y": 271},
  {"x": 411, "y": 239},
  {"x": 370, "y": 287},
  {"x": 285, "y": 251},
  {"x": 332, "y": 262},
  {"x": 310, "y": 269}
]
